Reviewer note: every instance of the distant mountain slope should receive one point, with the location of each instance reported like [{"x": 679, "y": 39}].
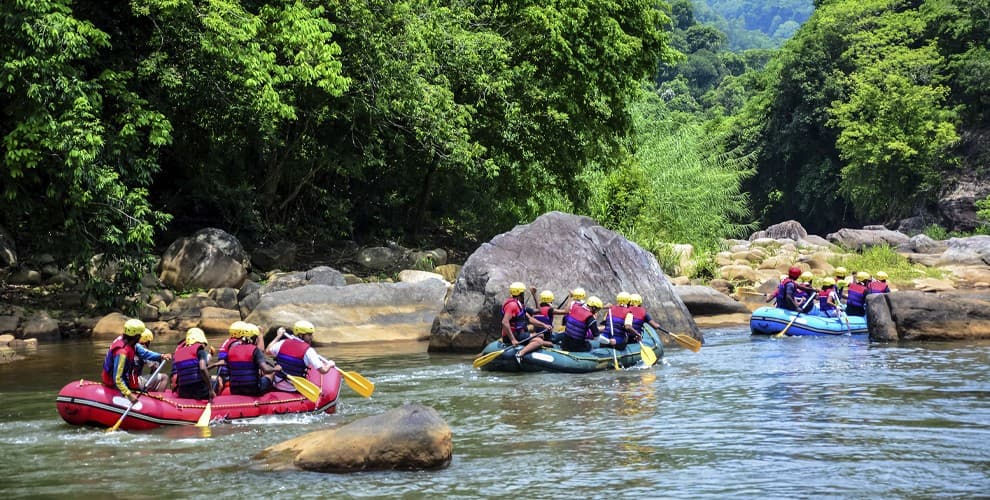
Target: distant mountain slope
[{"x": 754, "y": 23}]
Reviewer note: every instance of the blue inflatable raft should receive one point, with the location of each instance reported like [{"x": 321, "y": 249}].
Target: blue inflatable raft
[
  {"x": 771, "y": 320},
  {"x": 555, "y": 359}
]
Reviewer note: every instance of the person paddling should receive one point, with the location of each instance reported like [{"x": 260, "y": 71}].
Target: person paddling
[
  {"x": 879, "y": 285},
  {"x": 118, "y": 364},
  {"x": 144, "y": 356},
  {"x": 516, "y": 318},
  {"x": 856, "y": 295},
  {"x": 250, "y": 372},
  {"x": 580, "y": 326},
  {"x": 546, "y": 313},
  {"x": 828, "y": 300},
  {"x": 615, "y": 326},
  {"x": 293, "y": 351}
]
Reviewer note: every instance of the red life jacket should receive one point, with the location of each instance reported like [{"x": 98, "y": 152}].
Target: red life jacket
[
  {"x": 857, "y": 295},
  {"x": 576, "y": 323},
  {"x": 518, "y": 322},
  {"x": 782, "y": 294},
  {"x": 292, "y": 357},
  {"x": 823, "y": 303},
  {"x": 129, "y": 377},
  {"x": 222, "y": 370},
  {"x": 185, "y": 365},
  {"x": 617, "y": 323},
  {"x": 638, "y": 318},
  {"x": 243, "y": 373},
  {"x": 545, "y": 315},
  {"x": 877, "y": 286}
]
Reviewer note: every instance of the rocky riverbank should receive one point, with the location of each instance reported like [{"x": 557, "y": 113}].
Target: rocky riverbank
[{"x": 44, "y": 302}]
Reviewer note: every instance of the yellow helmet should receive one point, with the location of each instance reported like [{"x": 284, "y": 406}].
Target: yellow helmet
[
  {"x": 882, "y": 276},
  {"x": 195, "y": 336},
  {"x": 302, "y": 327},
  {"x": 841, "y": 272},
  {"x": 578, "y": 293},
  {"x": 622, "y": 298},
  {"x": 517, "y": 288},
  {"x": 635, "y": 300},
  {"x": 146, "y": 336},
  {"x": 133, "y": 327},
  {"x": 595, "y": 302},
  {"x": 828, "y": 281},
  {"x": 806, "y": 277},
  {"x": 862, "y": 276},
  {"x": 237, "y": 329},
  {"x": 546, "y": 296},
  {"x": 250, "y": 330}
]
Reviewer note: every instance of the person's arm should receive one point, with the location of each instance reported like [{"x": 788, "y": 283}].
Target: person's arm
[
  {"x": 314, "y": 360},
  {"x": 789, "y": 297},
  {"x": 149, "y": 355},
  {"x": 536, "y": 322},
  {"x": 263, "y": 364}
]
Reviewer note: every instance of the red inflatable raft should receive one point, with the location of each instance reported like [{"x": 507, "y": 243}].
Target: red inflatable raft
[{"x": 85, "y": 402}]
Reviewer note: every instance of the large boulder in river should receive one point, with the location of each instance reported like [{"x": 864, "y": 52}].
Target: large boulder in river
[
  {"x": 970, "y": 251},
  {"x": 365, "y": 312},
  {"x": 211, "y": 258},
  {"x": 927, "y": 316},
  {"x": 791, "y": 229},
  {"x": 556, "y": 252},
  {"x": 861, "y": 239},
  {"x": 412, "y": 437},
  {"x": 706, "y": 301}
]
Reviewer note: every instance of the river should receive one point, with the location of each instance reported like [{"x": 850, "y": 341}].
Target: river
[{"x": 745, "y": 417}]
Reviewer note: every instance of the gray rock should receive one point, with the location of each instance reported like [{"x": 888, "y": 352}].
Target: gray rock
[
  {"x": 958, "y": 204},
  {"x": 860, "y": 239},
  {"x": 791, "y": 229},
  {"x": 584, "y": 254},
  {"x": 324, "y": 275},
  {"x": 246, "y": 289},
  {"x": 41, "y": 327},
  {"x": 186, "y": 308},
  {"x": 281, "y": 255},
  {"x": 203, "y": 262},
  {"x": 706, "y": 301},
  {"x": 929, "y": 316},
  {"x": 8, "y": 324},
  {"x": 26, "y": 277},
  {"x": 367, "y": 312},
  {"x": 969, "y": 251},
  {"x": 413, "y": 437},
  {"x": 915, "y": 224},
  {"x": 224, "y": 297},
  {"x": 381, "y": 258},
  {"x": 922, "y": 243}
]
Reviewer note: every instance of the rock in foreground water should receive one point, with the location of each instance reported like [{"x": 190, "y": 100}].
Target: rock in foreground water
[{"x": 412, "y": 437}]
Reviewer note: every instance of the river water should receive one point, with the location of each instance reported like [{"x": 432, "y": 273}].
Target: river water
[{"x": 745, "y": 417}]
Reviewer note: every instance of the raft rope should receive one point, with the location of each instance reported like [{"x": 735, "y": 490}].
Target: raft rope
[{"x": 83, "y": 382}]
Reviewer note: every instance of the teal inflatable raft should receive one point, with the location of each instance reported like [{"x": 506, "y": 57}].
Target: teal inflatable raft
[{"x": 555, "y": 359}]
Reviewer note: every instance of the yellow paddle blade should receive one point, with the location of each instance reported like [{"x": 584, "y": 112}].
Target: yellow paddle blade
[
  {"x": 308, "y": 389},
  {"x": 116, "y": 426},
  {"x": 782, "y": 332},
  {"x": 204, "y": 419},
  {"x": 360, "y": 384},
  {"x": 487, "y": 358},
  {"x": 687, "y": 341},
  {"x": 649, "y": 357}
]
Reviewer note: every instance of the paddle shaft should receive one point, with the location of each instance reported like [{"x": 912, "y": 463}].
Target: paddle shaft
[
  {"x": 128, "y": 410},
  {"x": 782, "y": 332}
]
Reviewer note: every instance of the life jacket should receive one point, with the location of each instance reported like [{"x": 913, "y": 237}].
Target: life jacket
[
  {"x": 222, "y": 370},
  {"x": 823, "y": 304},
  {"x": 545, "y": 315},
  {"x": 576, "y": 323},
  {"x": 292, "y": 356},
  {"x": 638, "y": 318},
  {"x": 617, "y": 323},
  {"x": 857, "y": 295},
  {"x": 243, "y": 373},
  {"x": 781, "y": 301},
  {"x": 116, "y": 347},
  {"x": 877, "y": 286},
  {"x": 185, "y": 365},
  {"x": 518, "y": 322}
]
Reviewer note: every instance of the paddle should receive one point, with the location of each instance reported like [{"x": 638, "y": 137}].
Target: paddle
[
  {"x": 204, "y": 418},
  {"x": 685, "y": 341},
  {"x": 308, "y": 389},
  {"x": 354, "y": 380},
  {"x": 128, "y": 410},
  {"x": 611, "y": 329},
  {"x": 488, "y": 358},
  {"x": 646, "y": 353},
  {"x": 782, "y": 332}
]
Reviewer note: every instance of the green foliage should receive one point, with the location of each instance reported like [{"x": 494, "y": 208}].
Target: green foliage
[
  {"x": 936, "y": 232},
  {"x": 983, "y": 211},
  {"x": 754, "y": 23},
  {"x": 80, "y": 142},
  {"x": 679, "y": 188}
]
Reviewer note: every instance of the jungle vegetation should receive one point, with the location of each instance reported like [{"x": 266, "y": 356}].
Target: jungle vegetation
[{"x": 445, "y": 122}]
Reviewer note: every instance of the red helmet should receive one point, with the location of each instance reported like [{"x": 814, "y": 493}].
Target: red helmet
[{"x": 794, "y": 272}]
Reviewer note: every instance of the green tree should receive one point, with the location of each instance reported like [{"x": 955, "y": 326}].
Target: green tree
[{"x": 80, "y": 144}]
